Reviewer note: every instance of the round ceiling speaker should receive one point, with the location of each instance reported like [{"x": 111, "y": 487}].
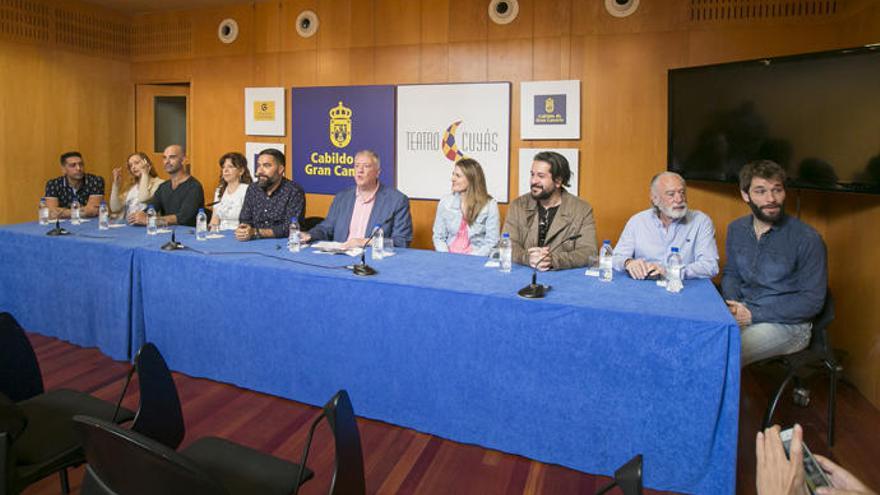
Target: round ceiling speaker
[
  {"x": 307, "y": 23},
  {"x": 503, "y": 11},
  {"x": 227, "y": 31},
  {"x": 621, "y": 8}
]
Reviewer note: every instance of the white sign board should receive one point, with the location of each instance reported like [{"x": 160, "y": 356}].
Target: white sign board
[
  {"x": 550, "y": 110},
  {"x": 437, "y": 124},
  {"x": 264, "y": 111}
]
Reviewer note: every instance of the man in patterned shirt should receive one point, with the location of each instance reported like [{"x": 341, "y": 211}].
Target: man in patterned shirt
[
  {"x": 267, "y": 209},
  {"x": 88, "y": 189}
]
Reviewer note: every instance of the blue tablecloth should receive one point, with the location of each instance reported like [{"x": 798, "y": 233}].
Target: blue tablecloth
[
  {"x": 76, "y": 287},
  {"x": 585, "y": 378}
]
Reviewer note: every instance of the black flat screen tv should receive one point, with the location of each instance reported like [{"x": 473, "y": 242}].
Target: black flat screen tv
[{"x": 816, "y": 114}]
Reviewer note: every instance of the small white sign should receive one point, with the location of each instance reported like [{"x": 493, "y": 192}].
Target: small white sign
[
  {"x": 550, "y": 110},
  {"x": 264, "y": 111}
]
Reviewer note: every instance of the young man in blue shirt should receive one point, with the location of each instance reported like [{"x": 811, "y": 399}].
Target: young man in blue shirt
[{"x": 776, "y": 274}]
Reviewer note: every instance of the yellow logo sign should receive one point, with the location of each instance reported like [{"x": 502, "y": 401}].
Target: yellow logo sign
[
  {"x": 340, "y": 126},
  {"x": 549, "y": 107},
  {"x": 264, "y": 111}
]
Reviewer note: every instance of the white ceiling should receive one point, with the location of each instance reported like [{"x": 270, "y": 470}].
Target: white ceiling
[{"x": 142, "y": 6}]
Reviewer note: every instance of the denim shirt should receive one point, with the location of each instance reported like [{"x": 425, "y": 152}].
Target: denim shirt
[
  {"x": 483, "y": 234},
  {"x": 781, "y": 277}
]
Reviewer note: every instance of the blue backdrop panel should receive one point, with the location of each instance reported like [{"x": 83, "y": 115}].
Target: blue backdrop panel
[
  {"x": 586, "y": 378},
  {"x": 330, "y": 124}
]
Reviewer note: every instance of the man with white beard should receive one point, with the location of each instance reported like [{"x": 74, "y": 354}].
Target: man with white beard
[{"x": 649, "y": 235}]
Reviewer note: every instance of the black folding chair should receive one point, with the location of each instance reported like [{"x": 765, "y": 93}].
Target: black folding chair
[
  {"x": 799, "y": 365},
  {"x": 348, "y": 475},
  {"x": 37, "y": 437}
]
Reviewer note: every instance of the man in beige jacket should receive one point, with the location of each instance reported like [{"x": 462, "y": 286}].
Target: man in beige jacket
[{"x": 542, "y": 223}]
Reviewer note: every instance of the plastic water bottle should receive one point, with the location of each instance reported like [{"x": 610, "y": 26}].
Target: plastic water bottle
[
  {"x": 293, "y": 242},
  {"x": 378, "y": 243},
  {"x": 44, "y": 212},
  {"x": 673, "y": 272},
  {"x": 103, "y": 217},
  {"x": 75, "y": 215},
  {"x": 151, "y": 221},
  {"x": 606, "y": 258},
  {"x": 505, "y": 252},
  {"x": 201, "y": 225}
]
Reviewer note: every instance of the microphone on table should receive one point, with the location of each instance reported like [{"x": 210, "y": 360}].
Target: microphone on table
[
  {"x": 172, "y": 245},
  {"x": 535, "y": 290},
  {"x": 363, "y": 269},
  {"x": 58, "y": 230},
  {"x": 628, "y": 477}
]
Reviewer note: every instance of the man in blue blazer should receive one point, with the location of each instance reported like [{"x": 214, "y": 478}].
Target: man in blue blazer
[{"x": 355, "y": 211}]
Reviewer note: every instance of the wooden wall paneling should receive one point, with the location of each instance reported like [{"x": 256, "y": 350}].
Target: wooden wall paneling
[
  {"x": 398, "y": 64},
  {"x": 290, "y": 40},
  {"x": 363, "y": 24},
  {"x": 299, "y": 68},
  {"x": 553, "y": 18},
  {"x": 551, "y": 58},
  {"x": 336, "y": 28},
  {"x": 363, "y": 66},
  {"x": 468, "y": 20},
  {"x": 628, "y": 98},
  {"x": 435, "y": 21},
  {"x": 852, "y": 237},
  {"x": 434, "y": 66},
  {"x": 334, "y": 66},
  {"x": 267, "y": 70},
  {"x": 468, "y": 61},
  {"x": 267, "y": 26},
  {"x": 511, "y": 60},
  {"x": 205, "y": 24},
  {"x": 397, "y": 22},
  {"x": 217, "y": 107},
  {"x": 161, "y": 36}
]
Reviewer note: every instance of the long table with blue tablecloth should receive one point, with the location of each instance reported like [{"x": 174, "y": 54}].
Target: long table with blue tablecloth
[{"x": 587, "y": 377}]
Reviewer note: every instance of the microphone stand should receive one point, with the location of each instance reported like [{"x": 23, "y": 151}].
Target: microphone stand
[
  {"x": 58, "y": 230},
  {"x": 535, "y": 290},
  {"x": 363, "y": 269},
  {"x": 172, "y": 245}
]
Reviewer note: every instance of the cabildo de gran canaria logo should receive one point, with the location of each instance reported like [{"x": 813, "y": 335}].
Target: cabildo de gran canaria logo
[
  {"x": 337, "y": 163},
  {"x": 340, "y": 125},
  {"x": 446, "y": 142}
]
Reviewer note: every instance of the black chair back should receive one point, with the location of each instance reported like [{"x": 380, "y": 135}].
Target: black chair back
[
  {"x": 159, "y": 415},
  {"x": 310, "y": 222},
  {"x": 348, "y": 476},
  {"x": 819, "y": 341},
  {"x": 20, "y": 377},
  {"x": 122, "y": 461}
]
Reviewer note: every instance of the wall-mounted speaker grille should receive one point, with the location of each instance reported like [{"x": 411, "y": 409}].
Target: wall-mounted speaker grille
[
  {"x": 151, "y": 39},
  {"x": 26, "y": 20},
  {"x": 88, "y": 33},
  {"x": 735, "y": 10}
]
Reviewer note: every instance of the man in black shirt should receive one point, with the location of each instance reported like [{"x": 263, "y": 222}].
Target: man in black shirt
[
  {"x": 88, "y": 189},
  {"x": 178, "y": 200},
  {"x": 267, "y": 209}
]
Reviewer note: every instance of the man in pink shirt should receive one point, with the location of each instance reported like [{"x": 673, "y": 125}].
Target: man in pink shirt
[{"x": 356, "y": 211}]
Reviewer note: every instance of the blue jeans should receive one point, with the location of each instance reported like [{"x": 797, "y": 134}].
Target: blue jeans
[{"x": 764, "y": 340}]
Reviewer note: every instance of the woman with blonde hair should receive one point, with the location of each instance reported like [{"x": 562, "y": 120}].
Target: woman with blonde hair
[
  {"x": 229, "y": 197},
  {"x": 139, "y": 189},
  {"x": 467, "y": 220}
]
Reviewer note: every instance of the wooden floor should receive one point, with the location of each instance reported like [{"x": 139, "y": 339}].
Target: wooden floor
[{"x": 399, "y": 460}]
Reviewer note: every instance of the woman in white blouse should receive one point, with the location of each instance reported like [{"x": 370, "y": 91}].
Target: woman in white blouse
[
  {"x": 141, "y": 185},
  {"x": 229, "y": 197}
]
